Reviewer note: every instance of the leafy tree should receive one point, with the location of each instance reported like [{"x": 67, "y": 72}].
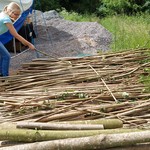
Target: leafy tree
[
  {"x": 99, "y": 7},
  {"x": 46, "y": 5},
  {"x": 129, "y": 7},
  {"x": 80, "y": 6}
]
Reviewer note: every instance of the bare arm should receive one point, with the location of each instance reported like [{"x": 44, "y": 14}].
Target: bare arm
[{"x": 13, "y": 31}]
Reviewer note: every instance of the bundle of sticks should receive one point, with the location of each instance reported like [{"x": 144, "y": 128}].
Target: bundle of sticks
[{"x": 101, "y": 86}]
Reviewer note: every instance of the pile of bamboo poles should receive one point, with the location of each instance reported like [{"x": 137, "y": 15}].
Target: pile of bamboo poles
[{"x": 102, "y": 86}]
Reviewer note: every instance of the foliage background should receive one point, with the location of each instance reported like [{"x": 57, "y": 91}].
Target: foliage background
[{"x": 99, "y": 7}]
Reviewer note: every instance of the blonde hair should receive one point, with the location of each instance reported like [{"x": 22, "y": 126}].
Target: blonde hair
[{"x": 12, "y": 6}]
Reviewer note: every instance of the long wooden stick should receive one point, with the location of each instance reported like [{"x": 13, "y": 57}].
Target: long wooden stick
[
  {"x": 68, "y": 62},
  {"x": 109, "y": 91},
  {"x": 105, "y": 85}
]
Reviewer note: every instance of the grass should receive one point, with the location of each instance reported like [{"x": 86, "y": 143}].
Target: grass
[
  {"x": 128, "y": 32},
  {"x": 74, "y": 16}
]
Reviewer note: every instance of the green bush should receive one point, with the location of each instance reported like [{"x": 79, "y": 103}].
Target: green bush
[
  {"x": 99, "y": 7},
  {"x": 129, "y": 7}
]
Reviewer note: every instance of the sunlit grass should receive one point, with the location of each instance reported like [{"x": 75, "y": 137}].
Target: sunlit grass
[
  {"x": 74, "y": 16},
  {"x": 129, "y": 32}
]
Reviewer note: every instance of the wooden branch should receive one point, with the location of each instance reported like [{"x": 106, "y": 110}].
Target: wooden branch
[
  {"x": 126, "y": 74},
  {"x": 61, "y": 116}
]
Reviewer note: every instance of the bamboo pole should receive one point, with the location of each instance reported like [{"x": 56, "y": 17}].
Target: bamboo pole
[
  {"x": 58, "y": 126},
  {"x": 27, "y": 135},
  {"x": 107, "y": 123}
]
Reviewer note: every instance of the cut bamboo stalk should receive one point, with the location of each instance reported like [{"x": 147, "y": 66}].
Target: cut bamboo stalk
[
  {"x": 27, "y": 135},
  {"x": 107, "y": 123},
  {"x": 58, "y": 126}
]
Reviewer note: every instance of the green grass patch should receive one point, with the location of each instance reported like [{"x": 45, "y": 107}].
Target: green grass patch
[
  {"x": 129, "y": 32},
  {"x": 74, "y": 16}
]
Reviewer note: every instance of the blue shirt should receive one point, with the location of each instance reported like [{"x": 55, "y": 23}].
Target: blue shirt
[{"x": 4, "y": 18}]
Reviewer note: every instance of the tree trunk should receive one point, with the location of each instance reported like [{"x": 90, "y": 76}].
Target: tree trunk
[{"x": 99, "y": 142}]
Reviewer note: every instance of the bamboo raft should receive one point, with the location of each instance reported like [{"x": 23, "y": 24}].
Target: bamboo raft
[{"x": 69, "y": 89}]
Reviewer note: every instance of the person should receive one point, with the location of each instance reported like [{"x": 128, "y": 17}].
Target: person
[
  {"x": 27, "y": 30},
  {"x": 10, "y": 13}
]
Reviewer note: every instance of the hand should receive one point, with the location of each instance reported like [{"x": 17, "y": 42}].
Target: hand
[{"x": 31, "y": 46}]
